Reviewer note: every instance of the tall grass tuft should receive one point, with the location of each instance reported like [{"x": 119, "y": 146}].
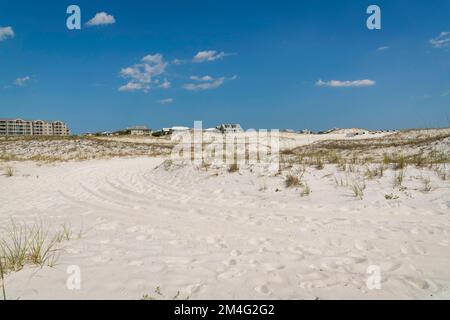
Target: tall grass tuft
[
  {"x": 358, "y": 190},
  {"x": 9, "y": 171},
  {"x": 318, "y": 163},
  {"x": 306, "y": 190},
  {"x": 398, "y": 178},
  {"x": 426, "y": 184},
  {"x": 42, "y": 249},
  {"x": 376, "y": 172},
  {"x": 24, "y": 245},
  {"x": 293, "y": 181},
  {"x": 14, "y": 249}
]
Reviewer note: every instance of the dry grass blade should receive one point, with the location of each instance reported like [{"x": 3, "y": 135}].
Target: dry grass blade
[{"x": 2, "y": 276}]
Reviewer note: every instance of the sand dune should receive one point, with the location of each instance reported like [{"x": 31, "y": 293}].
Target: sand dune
[{"x": 210, "y": 234}]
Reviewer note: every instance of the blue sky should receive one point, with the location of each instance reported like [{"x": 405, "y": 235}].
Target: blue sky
[{"x": 264, "y": 64}]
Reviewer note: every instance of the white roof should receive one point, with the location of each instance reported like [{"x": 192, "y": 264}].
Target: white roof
[{"x": 180, "y": 128}]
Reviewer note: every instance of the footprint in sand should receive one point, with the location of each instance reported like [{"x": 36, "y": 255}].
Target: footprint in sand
[
  {"x": 363, "y": 245},
  {"x": 443, "y": 243},
  {"x": 108, "y": 226},
  {"x": 390, "y": 266},
  {"x": 413, "y": 249},
  {"x": 418, "y": 283},
  {"x": 263, "y": 289},
  {"x": 194, "y": 288},
  {"x": 269, "y": 267},
  {"x": 259, "y": 241},
  {"x": 231, "y": 262},
  {"x": 133, "y": 229},
  {"x": 136, "y": 263},
  {"x": 143, "y": 237},
  {"x": 101, "y": 259},
  {"x": 231, "y": 273},
  {"x": 235, "y": 253}
]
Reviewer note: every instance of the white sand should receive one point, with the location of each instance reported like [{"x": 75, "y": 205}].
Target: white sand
[{"x": 230, "y": 236}]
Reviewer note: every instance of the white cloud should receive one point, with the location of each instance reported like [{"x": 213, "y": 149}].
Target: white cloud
[
  {"x": 206, "y": 83},
  {"x": 210, "y": 55},
  {"x": 6, "y": 32},
  {"x": 383, "y": 48},
  {"x": 134, "y": 86},
  {"x": 441, "y": 41},
  {"x": 101, "y": 19},
  {"x": 165, "y": 85},
  {"x": 342, "y": 84},
  {"x": 178, "y": 61},
  {"x": 21, "y": 82},
  {"x": 166, "y": 101},
  {"x": 143, "y": 75},
  {"x": 204, "y": 78}
]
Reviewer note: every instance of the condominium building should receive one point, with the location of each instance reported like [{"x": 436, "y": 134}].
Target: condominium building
[
  {"x": 42, "y": 128},
  {"x": 19, "y": 127},
  {"x": 60, "y": 128}
]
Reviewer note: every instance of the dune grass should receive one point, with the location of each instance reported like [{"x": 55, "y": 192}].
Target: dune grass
[
  {"x": 2, "y": 278},
  {"x": 426, "y": 181},
  {"x": 9, "y": 171},
  {"x": 292, "y": 181},
  {"x": 23, "y": 245},
  {"x": 233, "y": 168},
  {"x": 398, "y": 178},
  {"x": 358, "y": 189},
  {"x": 306, "y": 190}
]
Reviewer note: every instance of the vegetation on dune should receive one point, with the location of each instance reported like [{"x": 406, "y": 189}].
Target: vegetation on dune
[{"x": 34, "y": 245}]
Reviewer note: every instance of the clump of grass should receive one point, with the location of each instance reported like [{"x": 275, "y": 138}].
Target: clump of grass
[
  {"x": 306, "y": 190},
  {"x": 398, "y": 162},
  {"x": 9, "y": 171},
  {"x": 14, "y": 249},
  {"x": 340, "y": 182},
  {"x": 426, "y": 184},
  {"x": 318, "y": 163},
  {"x": 376, "y": 172},
  {"x": 358, "y": 190},
  {"x": 391, "y": 196},
  {"x": 419, "y": 160},
  {"x": 233, "y": 168},
  {"x": 292, "y": 181},
  {"x": 341, "y": 166},
  {"x": 334, "y": 157},
  {"x": 24, "y": 245},
  {"x": 66, "y": 232},
  {"x": 398, "y": 178},
  {"x": 442, "y": 173},
  {"x": 42, "y": 250}
]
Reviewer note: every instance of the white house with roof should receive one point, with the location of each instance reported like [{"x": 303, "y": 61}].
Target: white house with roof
[
  {"x": 230, "y": 128},
  {"x": 139, "y": 130}
]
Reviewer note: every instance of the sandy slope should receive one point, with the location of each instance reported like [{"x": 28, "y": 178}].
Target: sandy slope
[{"x": 229, "y": 235}]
